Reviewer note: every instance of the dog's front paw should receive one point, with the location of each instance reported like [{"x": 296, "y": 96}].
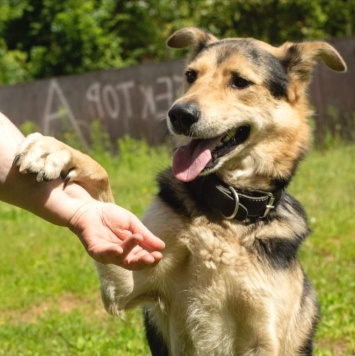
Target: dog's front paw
[{"x": 44, "y": 156}]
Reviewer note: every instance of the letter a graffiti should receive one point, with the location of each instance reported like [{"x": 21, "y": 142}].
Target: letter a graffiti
[{"x": 54, "y": 111}]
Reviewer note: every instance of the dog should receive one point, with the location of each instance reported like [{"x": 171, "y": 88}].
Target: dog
[{"x": 230, "y": 282}]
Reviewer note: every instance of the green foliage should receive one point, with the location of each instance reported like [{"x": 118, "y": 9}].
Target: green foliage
[
  {"x": 12, "y": 65},
  {"x": 99, "y": 139},
  {"x": 50, "y": 300},
  {"x": 131, "y": 151},
  {"x": 277, "y": 21},
  {"x": 44, "y": 38},
  {"x": 63, "y": 37},
  {"x": 340, "y": 127},
  {"x": 29, "y": 127},
  {"x": 137, "y": 164}
]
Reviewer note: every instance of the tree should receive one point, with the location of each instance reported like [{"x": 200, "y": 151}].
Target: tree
[
  {"x": 45, "y": 38},
  {"x": 64, "y": 37},
  {"x": 277, "y": 21}
]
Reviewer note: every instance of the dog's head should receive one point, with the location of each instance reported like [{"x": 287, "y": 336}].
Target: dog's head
[{"x": 244, "y": 111}]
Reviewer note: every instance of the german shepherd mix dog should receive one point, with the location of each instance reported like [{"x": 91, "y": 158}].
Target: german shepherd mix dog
[{"x": 230, "y": 282}]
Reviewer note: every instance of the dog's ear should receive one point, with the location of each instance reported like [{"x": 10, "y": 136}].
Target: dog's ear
[
  {"x": 190, "y": 36},
  {"x": 299, "y": 60}
]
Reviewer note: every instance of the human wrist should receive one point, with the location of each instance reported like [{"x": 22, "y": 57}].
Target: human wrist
[
  {"x": 64, "y": 203},
  {"x": 74, "y": 222}
]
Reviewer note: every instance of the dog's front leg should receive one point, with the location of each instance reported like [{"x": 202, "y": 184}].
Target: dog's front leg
[{"x": 51, "y": 159}]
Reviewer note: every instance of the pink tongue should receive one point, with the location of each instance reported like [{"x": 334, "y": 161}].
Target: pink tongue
[{"x": 190, "y": 160}]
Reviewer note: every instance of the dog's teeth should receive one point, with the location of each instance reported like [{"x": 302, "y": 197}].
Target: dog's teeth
[
  {"x": 229, "y": 136},
  {"x": 225, "y": 139},
  {"x": 232, "y": 133}
]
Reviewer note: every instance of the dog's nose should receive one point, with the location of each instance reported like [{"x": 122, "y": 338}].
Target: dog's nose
[{"x": 183, "y": 116}]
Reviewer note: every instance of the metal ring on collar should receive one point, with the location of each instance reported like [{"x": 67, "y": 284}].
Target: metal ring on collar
[{"x": 236, "y": 206}]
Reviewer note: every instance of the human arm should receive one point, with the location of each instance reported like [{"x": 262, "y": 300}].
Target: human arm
[{"x": 109, "y": 233}]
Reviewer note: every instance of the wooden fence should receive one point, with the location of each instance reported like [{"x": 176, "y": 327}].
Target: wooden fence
[{"x": 135, "y": 100}]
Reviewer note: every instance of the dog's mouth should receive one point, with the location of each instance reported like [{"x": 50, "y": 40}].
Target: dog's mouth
[{"x": 202, "y": 155}]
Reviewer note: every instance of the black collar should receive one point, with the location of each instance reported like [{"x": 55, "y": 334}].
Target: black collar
[{"x": 233, "y": 203}]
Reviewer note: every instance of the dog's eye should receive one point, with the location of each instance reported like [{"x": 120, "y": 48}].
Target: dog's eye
[
  {"x": 191, "y": 76},
  {"x": 238, "y": 82}
]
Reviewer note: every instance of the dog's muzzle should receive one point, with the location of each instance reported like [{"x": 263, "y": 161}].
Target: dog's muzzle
[{"x": 182, "y": 116}]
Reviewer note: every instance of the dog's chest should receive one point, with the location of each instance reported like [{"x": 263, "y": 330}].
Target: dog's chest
[
  {"x": 216, "y": 250},
  {"x": 209, "y": 304}
]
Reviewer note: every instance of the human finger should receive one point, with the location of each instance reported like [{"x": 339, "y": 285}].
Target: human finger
[
  {"x": 130, "y": 243},
  {"x": 150, "y": 241},
  {"x": 141, "y": 260}
]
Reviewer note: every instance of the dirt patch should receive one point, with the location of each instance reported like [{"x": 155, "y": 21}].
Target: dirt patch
[
  {"x": 337, "y": 348},
  {"x": 63, "y": 304}
]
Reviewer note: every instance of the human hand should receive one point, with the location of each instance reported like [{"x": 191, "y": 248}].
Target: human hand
[{"x": 111, "y": 234}]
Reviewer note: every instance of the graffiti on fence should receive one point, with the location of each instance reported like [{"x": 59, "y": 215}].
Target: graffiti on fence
[
  {"x": 56, "y": 108},
  {"x": 122, "y": 105}
]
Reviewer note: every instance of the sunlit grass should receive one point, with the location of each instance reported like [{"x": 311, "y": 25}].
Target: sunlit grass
[{"x": 325, "y": 184}]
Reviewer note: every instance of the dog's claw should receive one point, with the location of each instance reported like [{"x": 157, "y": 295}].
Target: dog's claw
[
  {"x": 40, "y": 176},
  {"x": 16, "y": 159},
  {"x": 66, "y": 180}
]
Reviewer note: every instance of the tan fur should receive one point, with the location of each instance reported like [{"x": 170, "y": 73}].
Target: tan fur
[
  {"x": 212, "y": 293},
  {"x": 52, "y": 158}
]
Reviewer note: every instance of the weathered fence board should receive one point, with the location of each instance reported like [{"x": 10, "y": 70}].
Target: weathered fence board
[
  {"x": 130, "y": 101},
  {"x": 333, "y": 95}
]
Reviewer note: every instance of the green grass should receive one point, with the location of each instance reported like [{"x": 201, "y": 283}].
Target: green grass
[
  {"x": 49, "y": 299},
  {"x": 325, "y": 184}
]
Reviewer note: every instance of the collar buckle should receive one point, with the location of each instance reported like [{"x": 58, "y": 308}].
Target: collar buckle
[
  {"x": 236, "y": 204},
  {"x": 269, "y": 204}
]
